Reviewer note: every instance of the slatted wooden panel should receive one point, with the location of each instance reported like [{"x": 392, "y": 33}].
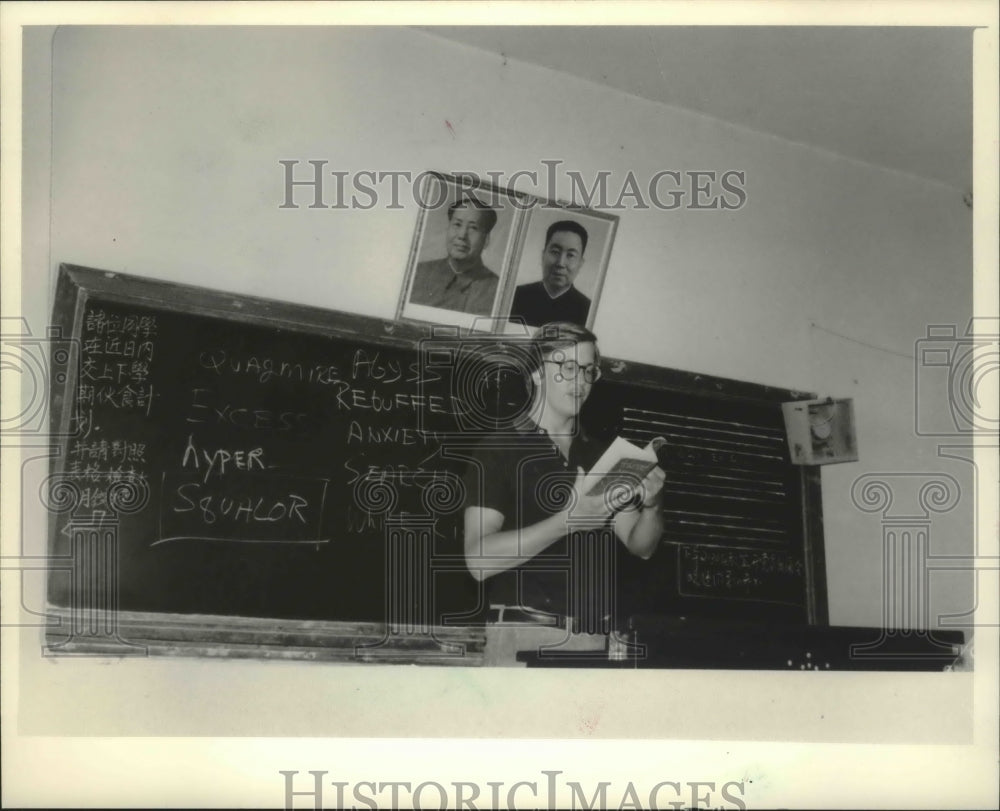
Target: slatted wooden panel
[
  {"x": 740, "y": 537},
  {"x": 728, "y": 481}
]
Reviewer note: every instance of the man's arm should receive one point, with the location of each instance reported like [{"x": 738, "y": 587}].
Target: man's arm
[
  {"x": 641, "y": 530},
  {"x": 489, "y": 549}
]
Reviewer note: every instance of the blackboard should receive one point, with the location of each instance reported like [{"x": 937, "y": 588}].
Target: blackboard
[
  {"x": 743, "y": 536},
  {"x": 252, "y": 459}
]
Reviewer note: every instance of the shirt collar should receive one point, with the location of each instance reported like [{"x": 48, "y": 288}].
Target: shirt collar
[
  {"x": 557, "y": 295},
  {"x": 531, "y": 428}
]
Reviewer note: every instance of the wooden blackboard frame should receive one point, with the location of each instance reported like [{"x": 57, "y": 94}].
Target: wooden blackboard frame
[{"x": 177, "y": 634}]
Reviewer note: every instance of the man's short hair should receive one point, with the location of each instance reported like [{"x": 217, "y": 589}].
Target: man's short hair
[
  {"x": 560, "y": 335},
  {"x": 489, "y": 214},
  {"x": 568, "y": 225}
]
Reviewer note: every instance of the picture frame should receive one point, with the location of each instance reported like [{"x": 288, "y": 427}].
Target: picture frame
[
  {"x": 535, "y": 275},
  {"x": 460, "y": 258}
]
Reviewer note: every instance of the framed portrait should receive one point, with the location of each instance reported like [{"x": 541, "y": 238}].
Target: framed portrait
[
  {"x": 462, "y": 252},
  {"x": 558, "y": 271}
]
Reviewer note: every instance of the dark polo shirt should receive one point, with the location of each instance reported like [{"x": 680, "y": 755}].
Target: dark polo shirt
[{"x": 524, "y": 477}]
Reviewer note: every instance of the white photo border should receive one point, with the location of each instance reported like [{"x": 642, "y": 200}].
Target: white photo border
[
  {"x": 570, "y": 211},
  {"x": 406, "y": 310}
]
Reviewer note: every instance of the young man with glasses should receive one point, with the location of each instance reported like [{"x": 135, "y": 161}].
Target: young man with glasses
[{"x": 543, "y": 547}]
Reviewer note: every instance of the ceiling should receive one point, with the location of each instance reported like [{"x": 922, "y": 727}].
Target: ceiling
[{"x": 895, "y": 97}]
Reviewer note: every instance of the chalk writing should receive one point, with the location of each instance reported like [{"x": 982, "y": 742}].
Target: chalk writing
[
  {"x": 217, "y": 461},
  {"x": 348, "y": 398},
  {"x": 738, "y": 573},
  {"x": 262, "y": 369},
  {"x": 116, "y": 362},
  {"x": 401, "y": 474},
  {"x": 202, "y": 409},
  {"x": 363, "y": 522},
  {"x": 368, "y": 366},
  {"x": 116, "y": 450},
  {"x": 242, "y": 506},
  {"x": 120, "y": 397},
  {"x": 102, "y": 323},
  {"x": 765, "y": 562},
  {"x": 140, "y": 351},
  {"x": 388, "y": 435}
]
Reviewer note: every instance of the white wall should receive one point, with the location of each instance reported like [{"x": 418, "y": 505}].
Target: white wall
[{"x": 164, "y": 163}]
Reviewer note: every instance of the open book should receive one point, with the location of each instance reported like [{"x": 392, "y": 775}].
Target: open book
[{"x": 623, "y": 463}]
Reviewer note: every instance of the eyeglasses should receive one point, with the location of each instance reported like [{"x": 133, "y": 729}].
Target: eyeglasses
[{"x": 569, "y": 369}]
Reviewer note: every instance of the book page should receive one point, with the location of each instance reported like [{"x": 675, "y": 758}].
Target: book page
[{"x": 622, "y": 463}]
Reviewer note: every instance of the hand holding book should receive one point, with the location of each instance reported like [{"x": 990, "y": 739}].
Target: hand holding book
[
  {"x": 622, "y": 476},
  {"x": 626, "y": 469},
  {"x": 652, "y": 487},
  {"x": 588, "y": 504}
]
